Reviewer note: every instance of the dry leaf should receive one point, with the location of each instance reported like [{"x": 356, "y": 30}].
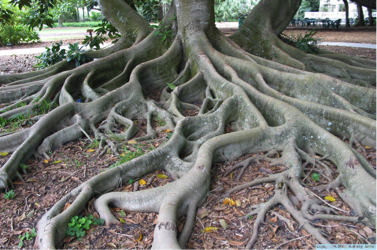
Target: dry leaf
[
  {"x": 111, "y": 244},
  {"x": 3, "y": 154},
  {"x": 132, "y": 142},
  {"x": 55, "y": 162},
  {"x": 122, "y": 220},
  {"x": 231, "y": 176},
  {"x": 226, "y": 201},
  {"x": 162, "y": 176},
  {"x": 122, "y": 155},
  {"x": 330, "y": 198},
  {"x": 367, "y": 147},
  {"x": 203, "y": 212},
  {"x": 236, "y": 243},
  {"x": 223, "y": 223},
  {"x": 238, "y": 203},
  {"x": 274, "y": 219},
  {"x": 232, "y": 203},
  {"x": 167, "y": 130},
  {"x": 210, "y": 229},
  {"x": 140, "y": 236},
  {"x": 66, "y": 206},
  {"x": 45, "y": 161},
  {"x": 90, "y": 150},
  {"x": 142, "y": 182}
]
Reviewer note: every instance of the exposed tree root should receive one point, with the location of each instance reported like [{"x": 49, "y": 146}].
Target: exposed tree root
[{"x": 280, "y": 107}]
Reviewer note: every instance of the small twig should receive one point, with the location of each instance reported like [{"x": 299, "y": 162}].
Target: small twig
[
  {"x": 84, "y": 171},
  {"x": 26, "y": 201},
  {"x": 200, "y": 222},
  {"x": 310, "y": 192},
  {"x": 11, "y": 224},
  {"x": 347, "y": 225},
  {"x": 86, "y": 134},
  {"x": 225, "y": 159},
  {"x": 299, "y": 238},
  {"x": 359, "y": 236}
]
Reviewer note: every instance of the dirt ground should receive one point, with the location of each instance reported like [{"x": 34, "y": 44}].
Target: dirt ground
[{"x": 47, "y": 181}]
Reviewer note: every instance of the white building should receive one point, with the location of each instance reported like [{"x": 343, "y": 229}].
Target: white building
[{"x": 335, "y": 9}]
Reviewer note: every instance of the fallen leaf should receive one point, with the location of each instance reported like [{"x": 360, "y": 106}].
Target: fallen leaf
[
  {"x": 66, "y": 206},
  {"x": 226, "y": 201},
  {"x": 111, "y": 244},
  {"x": 142, "y": 182},
  {"x": 22, "y": 217},
  {"x": 203, "y": 212},
  {"x": 232, "y": 203},
  {"x": 17, "y": 232},
  {"x": 167, "y": 130},
  {"x": 223, "y": 223},
  {"x": 140, "y": 236},
  {"x": 122, "y": 155},
  {"x": 55, "y": 162},
  {"x": 132, "y": 142},
  {"x": 31, "y": 213},
  {"x": 231, "y": 176},
  {"x": 45, "y": 161},
  {"x": 122, "y": 220},
  {"x": 330, "y": 198},
  {"x": 162, "y": 176},
  {"x": 238, "y": 203},
  {"x": 3, "y": 154},
  {"x": 236, "y": 243},
  {"x": 210, "y": 229},
  {"x": 367, "y": 147},
  {"x": 91, "y": 150},
  {"x": 274, "y": 219}
]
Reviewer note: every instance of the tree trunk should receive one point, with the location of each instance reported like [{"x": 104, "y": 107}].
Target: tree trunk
[
  {"x": 60, "y": 21},
  {"x": 371, "y": 20},
  {"x": 347, "y": 13},
  {"x": 251, "y": 93},
  {"x": 360, "y": 12}
]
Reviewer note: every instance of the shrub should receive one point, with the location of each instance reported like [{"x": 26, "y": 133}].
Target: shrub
[
  {"x": 10, "y": 34},
  {"x": 52, "y": 55}
]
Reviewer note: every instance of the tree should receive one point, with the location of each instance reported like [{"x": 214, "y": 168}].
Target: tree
[
  {"x": 276, "y": 99},
  {"x": 347, "y": 13}
]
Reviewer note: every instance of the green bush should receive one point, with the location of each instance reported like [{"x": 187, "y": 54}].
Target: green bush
[
  {"x": 52, "y": 55},
  {"x": 10, "y": 34}
]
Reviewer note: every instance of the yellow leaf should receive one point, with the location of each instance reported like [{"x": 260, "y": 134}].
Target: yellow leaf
[
  {"x": 122, "y": 220},
  {"x": 231, "y": 176},
  {"x": 210, "y": 229},
  {"x": 132, "y": 142},
  {"x": 3, "y": 154},
  {"x": 226, "y": 201},
  {"x": 238, "y": 203},
  {"x": 167, "y": 130},
  {"x": 367, "y": 147},
  {"x": 122, "y": 155},
  {"x": 142, "y": 182},
  {"x": 223, "y": 224},
  {"x": 232, "y": 203},
  {"x": 330, "y": 198},
  {"x": 140, "y": 236},
  {"x": 45, "y": 161},
  {"x": 90, "y": 150},
  {"x": 55, "y": 162},
  {"x": 162, "y": 176}
]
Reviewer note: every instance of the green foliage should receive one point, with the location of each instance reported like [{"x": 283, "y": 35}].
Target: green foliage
[
  {"x": 11, "y": 34},
  {"x": 161, "y": 30},
  {"x": 171, "y": 86},
  {"x": 315, "y": 177},
  {"x": 159, "y": 123},
  {"x": 24, "y": 166},
  {"x": 44, "y": 106},
  {"x": 103, "y": 28},
  {"x": 3, "y": 122},
  {"x": 231, "y": 10},
  {"x": 94, "y": 144},
  {"x": 127, "y": 155},
  {"x": 26, "y": 236},
  {"x": 9, "y": 195},
  {"x": 131, "y": 182},
  {"x": 95, "y": 16},
  {"x": 77, "y": 54},
  {"x": 79, "y": 225},
  {"x": 52, "y": 55},
  {"x": 306, "y": 43}
]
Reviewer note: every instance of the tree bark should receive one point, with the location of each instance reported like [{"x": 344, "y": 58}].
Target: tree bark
[
  {"x": 347, "y": 13},
  {"x": 360, "y": 12}
]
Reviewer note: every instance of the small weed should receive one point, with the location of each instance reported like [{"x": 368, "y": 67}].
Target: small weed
[
  {"x": 78, "y": 225},
  {"x": 306, "y": 43},
  {"x": 78, "y": 163},
  {"x": 160, "y": 122},
  {"x": 122, "y": 213},
  {"x": 131, "y": 182},
  {"x": 24, "y": 166},
  {"x": 127, "y": 156},
  {"x": 250, "y": 217},
  {"x": 169, "y": 135},
  {"x": 26, "y": 236},
  {"x": 315, "y": 177},
  {"x": 93, "y": 144},
  {"x": 3, "y": 122},
  {"x": 9, "y": 195},
  {"x": 171, "y": 86}
]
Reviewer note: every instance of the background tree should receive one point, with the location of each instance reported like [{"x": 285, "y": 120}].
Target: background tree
[{"x": 293, "y": 106}]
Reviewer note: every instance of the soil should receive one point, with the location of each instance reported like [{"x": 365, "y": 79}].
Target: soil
[{"x": 48, "y": 180}]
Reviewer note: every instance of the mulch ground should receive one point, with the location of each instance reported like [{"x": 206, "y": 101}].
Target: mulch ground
[{"x": 47, "y": 181}]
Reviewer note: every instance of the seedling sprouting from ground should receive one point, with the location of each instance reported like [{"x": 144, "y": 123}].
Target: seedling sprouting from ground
[
  {"x": 316, "y": 176},
  {"x": 9, "y": 195},
  {"x": 26, "y": 236},
  {"x": 78, "y": 225}
]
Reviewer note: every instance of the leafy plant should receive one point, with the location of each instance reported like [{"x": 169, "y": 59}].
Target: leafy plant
[
  {"x": 77, "y": 54},
  {"x": 127, "y": 155},
  {"x": 78, "y": 225},
  {"x": 3, "y": 122},
  {"x": 26, "y": 236},
  {"x": 103, "y": 28},
  {"x": 52, "y": 55},
  {"x": 171, "y": 86},
  {"x": 316, "y": 176},
  {"x": 93, "y": 144},
  {"x": 161, "y": 31},
  {"x": 9, "y": 195},
  {"x": 10, "y": 34},
  {"x": 131, "y": 181},
  {"x": 306, "y": 43}
]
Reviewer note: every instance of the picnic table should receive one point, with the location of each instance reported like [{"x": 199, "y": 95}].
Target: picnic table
[
  {"x": 328, "y": 23},
  {"x": 308, "y": 22}
]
